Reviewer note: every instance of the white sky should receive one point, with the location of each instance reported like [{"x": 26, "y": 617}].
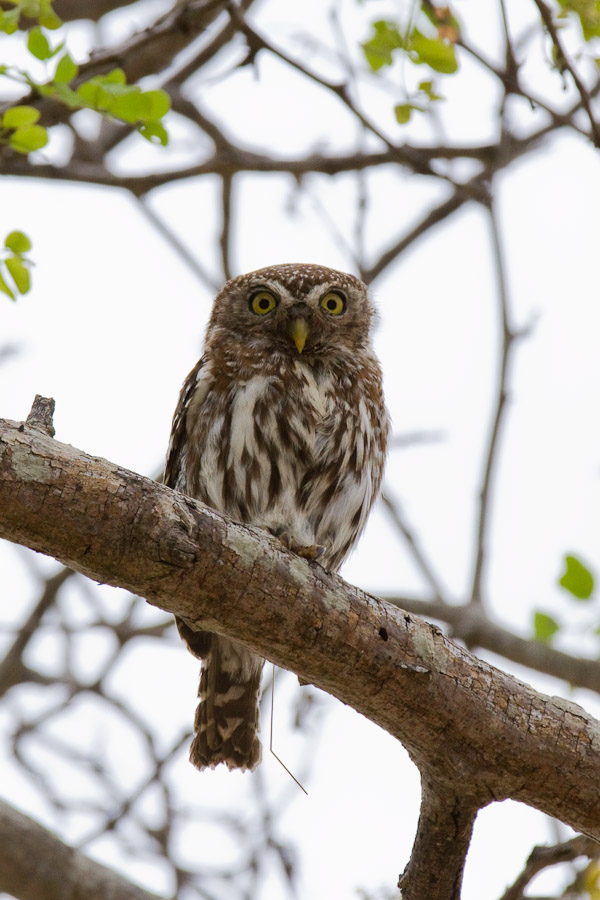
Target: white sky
[{"x": 115, "y": 322}]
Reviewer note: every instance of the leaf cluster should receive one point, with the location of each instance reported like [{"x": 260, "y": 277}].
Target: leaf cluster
[
  {"x": 108, "y": 94},
  {"x": 418, "y": 44},
  {"x": 39, "y": 10},
  {"x": 16, "y": 264}
]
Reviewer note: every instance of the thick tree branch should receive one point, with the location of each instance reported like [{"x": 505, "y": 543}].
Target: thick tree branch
[
  {"x": 68, "y": 10},
  {"x": 465, "y": 724},
  {"x": 59, "y": 873},
  {"x": 471, "y": 624},
  {"x": 232, "y": 161},
  {"x": 444, "y": 833}
]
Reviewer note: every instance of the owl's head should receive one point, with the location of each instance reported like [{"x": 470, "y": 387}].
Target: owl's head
[{"x": 293, "y": 309}]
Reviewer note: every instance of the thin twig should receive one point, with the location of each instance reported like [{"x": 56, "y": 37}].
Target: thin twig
[
  {"x": 564, "y": 63},
  {"x": 510, "y": 61},
  {"x": 171, "y": 238},
  {"x": 437, "y": 215},
  {"x": 542, "y": 858},
  {"x": 340, "y": 89},
  {"x": 508, "y": 337},
  {"x": 225, "y": 236},
  {"x": 418, "y": 555},
  {"x": 12, "y": 667}
]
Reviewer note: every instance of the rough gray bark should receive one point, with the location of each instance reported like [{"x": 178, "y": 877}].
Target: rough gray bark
[{"x": 475, "y": 733}]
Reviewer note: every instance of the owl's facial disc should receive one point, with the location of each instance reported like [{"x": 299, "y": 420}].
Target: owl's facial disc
[{"x": 298, "y": 330}]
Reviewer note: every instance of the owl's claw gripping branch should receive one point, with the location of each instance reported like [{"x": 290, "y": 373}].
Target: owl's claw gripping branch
[{"x": 311, "y": 552}]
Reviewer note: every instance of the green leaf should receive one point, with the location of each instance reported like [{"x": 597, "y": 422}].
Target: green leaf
[
  {"x": 544, "y": 627},
  {"x": 116, "y": 76},
  {"x": 19, "y": 273},
  {"x": 109, "y": 93},
  {"x": 40, "y": 10},
  {"x": 68, "y": 96},
  {"x": 89, "y": 92},
  {"x": 128, "y": 106},
  {"x": 379, "y": 49},
  {"x": 38, "y": 45},
  {"x": 435, "y": 53},
  {"x": 428, "y": 88},
  {"x": 28, "y": 138},
  {"x": 155, "y": 133},
  {"x": 403, "y": 112},
  {"x": 5, "y": 288},
  {"x": 20, "y": 115},
  {"x": 66, "y": 70},
  {"x": 577, "y": 579},
  {"x": 100, "y": 92},
  {"x": 158, "y": 102},
  {"x": 18, "y": 242},
  {"x": 50, "y": 20},
  {"x": 9, "y": 21}
]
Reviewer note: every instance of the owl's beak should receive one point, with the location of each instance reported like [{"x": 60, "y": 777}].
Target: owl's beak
[{"x": 298, "y": 329}]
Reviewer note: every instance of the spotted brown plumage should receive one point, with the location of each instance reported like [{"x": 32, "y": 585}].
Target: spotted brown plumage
[{"x": 280, "y": 424}]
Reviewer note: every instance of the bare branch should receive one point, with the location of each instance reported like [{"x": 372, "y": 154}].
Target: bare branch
[
  {"x": 171, "y": 238},
  {"x": 418, "y": 555},
  {"x": 564, "y": 64},
  {"x": 12, "y": 668},
  {"x": 69, "y": 10},
  {"x": 437, "y": 215},
  {"x": 340, "y": 89},
  {"x": 444, "y": 832},
  {"x": 508, "y": 338},
  {"x": 225, "y": 236},
  {"x": 230, "y": 162},
  {"x": 542, "y": 858},
  {"x": 59, "y": 873}
]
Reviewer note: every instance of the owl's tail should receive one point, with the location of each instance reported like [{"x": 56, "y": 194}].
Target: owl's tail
[{"x": 226, "y": 723}]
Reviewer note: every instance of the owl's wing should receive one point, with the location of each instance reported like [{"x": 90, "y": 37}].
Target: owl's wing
[
  {"x": 198, "y": 642},
  {"x": 178, "y": 437}
]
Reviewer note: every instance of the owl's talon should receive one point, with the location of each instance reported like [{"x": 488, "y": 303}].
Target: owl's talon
[
  {"x": 311, "y": 552},
  {"x": 286, "y": 539}
]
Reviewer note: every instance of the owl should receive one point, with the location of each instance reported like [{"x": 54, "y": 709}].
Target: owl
[{"x": 281, "y": 424}]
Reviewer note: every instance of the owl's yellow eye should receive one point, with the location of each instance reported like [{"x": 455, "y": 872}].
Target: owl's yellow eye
[
  {"x": 262, "y": 303},
  {"x": 333, "y": 303}
]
